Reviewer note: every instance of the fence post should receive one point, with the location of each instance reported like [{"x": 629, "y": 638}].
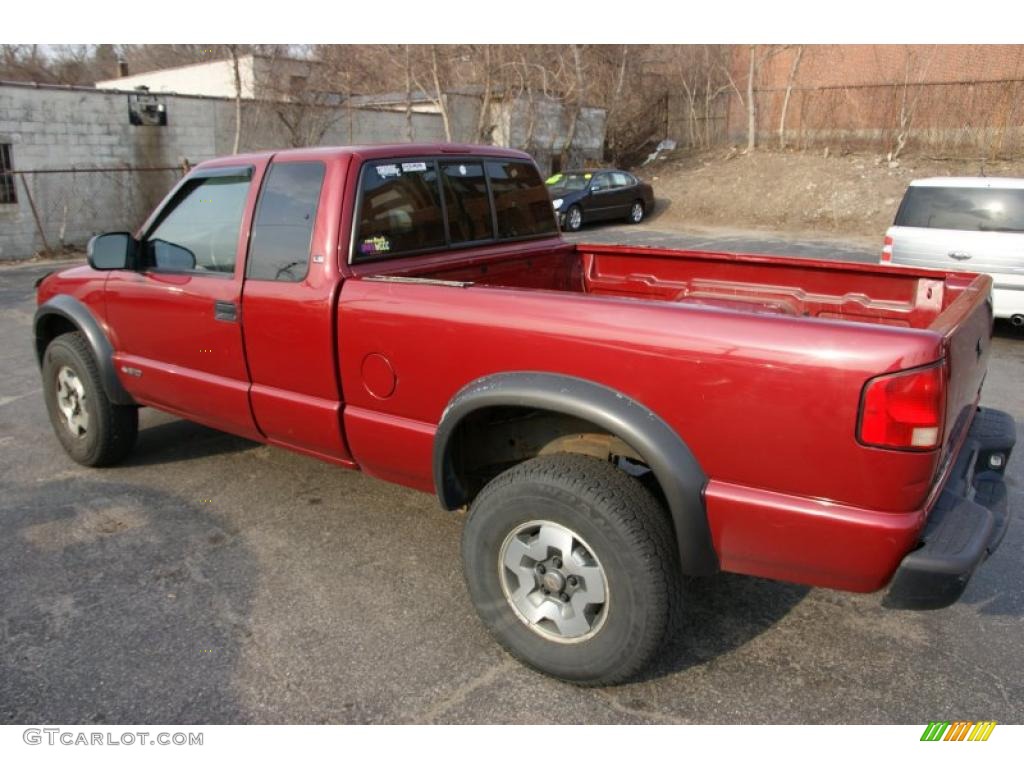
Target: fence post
[{"x": 35, "y": 214}]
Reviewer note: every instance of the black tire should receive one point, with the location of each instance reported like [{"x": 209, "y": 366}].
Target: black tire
[
  {"x": 573, "y": 223},
  {"x": 631, "y": 536},
  {"x": 111, "y": 430},
  {"x": 637, "y": 212}
]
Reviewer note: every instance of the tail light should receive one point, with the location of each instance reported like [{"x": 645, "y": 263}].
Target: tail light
[
  {"x": 904, "y": 410},
  {"x": 887, "y": 249}
]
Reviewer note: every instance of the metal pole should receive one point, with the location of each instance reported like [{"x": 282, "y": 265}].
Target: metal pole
[
  {"x": 35, "y": 214},
  {"x": 124, "y": 169}
]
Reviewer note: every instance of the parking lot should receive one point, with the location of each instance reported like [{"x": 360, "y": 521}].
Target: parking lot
[{"x": 210, "y": 579}]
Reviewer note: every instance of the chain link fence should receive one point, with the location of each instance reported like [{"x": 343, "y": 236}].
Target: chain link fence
[{"x": 70, "y": 205}]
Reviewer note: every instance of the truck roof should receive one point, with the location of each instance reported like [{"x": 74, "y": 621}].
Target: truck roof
[
  {"x": 373, "y": 151},
  {"x": 982, "y": 182}
]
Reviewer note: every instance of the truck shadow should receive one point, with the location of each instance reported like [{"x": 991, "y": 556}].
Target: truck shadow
[
  {"x": 720, "y": 614},
  {"x": 121, "y": 604},
  {"x": 177, "y": 440},
  {"x": 1003, "y": 329}
]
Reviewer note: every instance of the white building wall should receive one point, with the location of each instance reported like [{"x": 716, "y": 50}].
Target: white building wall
[{"x": 214, "y": 78}]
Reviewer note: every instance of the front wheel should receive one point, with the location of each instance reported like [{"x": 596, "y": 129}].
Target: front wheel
[
  {"x": 93, "y": 430},
  {"x": 570, "y": 564}
]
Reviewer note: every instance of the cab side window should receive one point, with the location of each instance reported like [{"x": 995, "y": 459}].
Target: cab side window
[
  {"x": 283, "y": 227},
  {"x": 400, "y": 210},
  {"x": 199, "y": 232},
  {"x": 521, "y": 201}
]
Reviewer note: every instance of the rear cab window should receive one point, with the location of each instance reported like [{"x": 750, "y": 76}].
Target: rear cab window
[
  {"x": 410, "y": 206},
  {"x": 962, "y": 208}
]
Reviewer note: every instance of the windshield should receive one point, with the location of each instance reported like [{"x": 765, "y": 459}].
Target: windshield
[{"x": 569, "y": 182}]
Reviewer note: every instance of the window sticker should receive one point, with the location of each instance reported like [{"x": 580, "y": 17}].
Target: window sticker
[
  {"x": 588, "y": 175},
  {"x": 386, "y": 171},
  {"x": 410, "y": 167},
  {"x": 462, "y": 170},
  {"x": 378, "y": 244},
  {"x": 553, "y": 179}
]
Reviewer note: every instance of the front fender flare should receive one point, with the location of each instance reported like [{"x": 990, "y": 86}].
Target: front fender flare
[
  {"x": 680, "y": 476},
  {"x": 75, "y": 312}
]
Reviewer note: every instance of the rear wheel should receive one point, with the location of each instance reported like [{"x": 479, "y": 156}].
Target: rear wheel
[
  {"x": 571, "y": 566},
  {"x": 93, "y": 430},
  {"x": 636, "y": 212}
]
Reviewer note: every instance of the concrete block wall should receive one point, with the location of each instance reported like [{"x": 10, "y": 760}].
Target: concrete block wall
[
  {"x": 50, "y": 128},
  {"x": 57, "y": 127}
]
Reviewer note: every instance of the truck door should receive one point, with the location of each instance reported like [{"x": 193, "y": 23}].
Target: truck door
[
  {"x": 291, "y": 280},
  {"x": 176, "y": 317}
]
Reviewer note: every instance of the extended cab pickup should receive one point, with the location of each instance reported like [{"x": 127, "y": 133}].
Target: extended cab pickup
[{"x": 613, "y": 418}]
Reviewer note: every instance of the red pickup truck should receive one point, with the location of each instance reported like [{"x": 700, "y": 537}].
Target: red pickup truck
[{"x": 613, "y": 418}]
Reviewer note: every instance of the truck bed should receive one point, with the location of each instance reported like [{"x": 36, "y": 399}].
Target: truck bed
[
  {"x": 744, "y": 283},
  {"x": 758, "y": 362}
]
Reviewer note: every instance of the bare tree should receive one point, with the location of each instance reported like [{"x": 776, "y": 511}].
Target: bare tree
[
  {"x": 790, "y": 82},
  {"x": 408, "y": 94},
  {"x": 436, "y": 91},
  {"x": 233, "y": 51},
  {"x": 751, "y": 103},
  {"x": 914, "y": 70}
]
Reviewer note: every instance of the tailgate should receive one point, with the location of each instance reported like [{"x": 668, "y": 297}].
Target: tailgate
[{"x": 966, "y": 326}]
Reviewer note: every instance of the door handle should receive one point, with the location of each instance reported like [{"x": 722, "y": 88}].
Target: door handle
[
  {"x": 959, "y": 255},
  {"x": 225, "y": 310}
]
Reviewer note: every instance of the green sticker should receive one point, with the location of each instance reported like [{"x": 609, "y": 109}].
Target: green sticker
[
  {"x": 554, "y": 179},
  {"x": 587, "y": 175}
]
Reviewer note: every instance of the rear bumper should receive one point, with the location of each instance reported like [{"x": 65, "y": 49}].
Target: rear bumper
[{"x": 966, "y": 524}]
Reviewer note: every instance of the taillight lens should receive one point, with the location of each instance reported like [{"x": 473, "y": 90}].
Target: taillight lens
[
  {"x": 904, "y": 410},
  {"x": 887, "y": 249}
]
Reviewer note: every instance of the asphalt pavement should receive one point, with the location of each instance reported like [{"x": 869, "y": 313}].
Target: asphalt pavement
[{"x": 211, "y": 579}]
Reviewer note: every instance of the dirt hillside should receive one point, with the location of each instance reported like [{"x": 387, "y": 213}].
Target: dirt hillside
[{"x": 851, "y": 196}]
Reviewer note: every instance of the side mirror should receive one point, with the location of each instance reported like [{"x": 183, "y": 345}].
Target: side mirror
[{"x": 113, "y": 250}]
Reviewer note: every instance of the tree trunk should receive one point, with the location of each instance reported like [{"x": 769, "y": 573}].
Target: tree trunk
[
  {"x": 789, "y": 90},
  {"x": 751, "y": 106},
  {"x": 409, "y": 133},
  {"x": 441, "y": 103},
  {"x": 482, "y": 132},
  {"x": 238, "y": 100}
]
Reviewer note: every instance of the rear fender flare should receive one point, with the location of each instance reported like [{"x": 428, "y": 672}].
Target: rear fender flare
[{"x": 674, "y": 466}]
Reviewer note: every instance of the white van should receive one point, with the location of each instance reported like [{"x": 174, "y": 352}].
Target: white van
[{"x": 971, "y": 223}]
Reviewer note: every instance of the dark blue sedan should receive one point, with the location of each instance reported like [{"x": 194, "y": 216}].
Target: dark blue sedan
[{"x": 586, "y": 196}]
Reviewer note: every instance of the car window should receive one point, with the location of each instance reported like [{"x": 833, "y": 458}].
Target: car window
[
  {"x": 200, "y": 231},
  {"x": 283, "y": 227},
  {"x": 467, "y": 202},
  {"x": 963, "y": 208},
  {"x": 621, "y": 180},
  {"x": 521, "y": 202},
  {"x": 400, "y": 210},
  {"x": 601, "y": 181}
]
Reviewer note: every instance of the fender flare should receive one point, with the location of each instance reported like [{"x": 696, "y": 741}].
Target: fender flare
[
  {"x": 76, "y": 313},
  {"x": 681, "y": 478}
]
